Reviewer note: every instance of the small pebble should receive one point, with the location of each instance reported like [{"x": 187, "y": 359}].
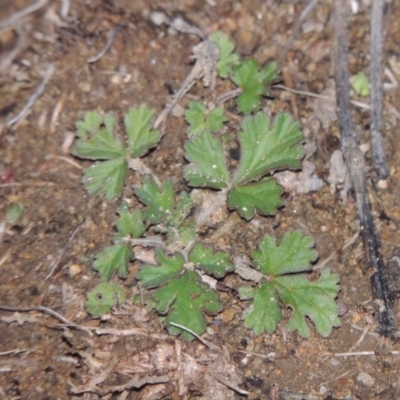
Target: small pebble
[
  {"x": 383, "y": 184},
  {"x": 158, "y": 18},
  {"x": 365, "y": 379},
  {"x": 74, "y": 269},
  {"x": 334, "y": 362}
]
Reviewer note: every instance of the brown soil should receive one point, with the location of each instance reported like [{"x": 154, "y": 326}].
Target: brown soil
[{"x": 42, "y": 359}]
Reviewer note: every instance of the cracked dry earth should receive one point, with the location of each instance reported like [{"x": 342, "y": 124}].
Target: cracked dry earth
[{"x": 42, "y": 357}]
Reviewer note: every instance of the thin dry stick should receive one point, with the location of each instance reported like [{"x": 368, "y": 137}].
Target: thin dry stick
[
  {"x": 16, "y": 17},
  {"x": 130, "y": 332},
  {"x": 50, "y": 312},
  {"x": 205, "y": 342},
  {"x": 65, "y": 4},
  {"x": 362, "y": 337},
  {"x": 62, "y": 252},
  {"x": 100, "y": 54},
  {"x": 40, "y": 184},
  {"x": 377, "y": 144},
  {"x": 296, "y": 29},
  {"x": 355, "y": 164},
  {"x": 358, "y": 104},
  {"x": 364, "y": 353},
  {"x": 220, "y": 378},
  {"x": 31, "y": 101},
  {"x": 14, "y": 351}
]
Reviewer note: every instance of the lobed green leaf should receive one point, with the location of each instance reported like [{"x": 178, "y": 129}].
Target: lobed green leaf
[
  {"x": 102, "y": 297},
  {"x": 155, "y": 275},
  {"x": 185, "y": 299},
  {"x": 130, "y": 224},
  {"x": 217, "y": 264},
  {"x": 207, "y": 166},
  {"x": 160, "y": 201},
  {"x": 264, "y": 313},
  {"x": 315, "y": 300},
  {"x": 265, "y": 148},
  {"x": 263, "y": 197},
  {"x": 294, "y": 254},
  {"x": 141, "y": 138},
  {"x": 200, "y": 120},
  {"x": 228, "y": 58},
  {"x": 101, "y": 144},
  {"x": 113, "y": 259},
  {"x": 253, "y": 82},
  {"x": 107, "y": 177},
  {"x": 89, "y": 125}
]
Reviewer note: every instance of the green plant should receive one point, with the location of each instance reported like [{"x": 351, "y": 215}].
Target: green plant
[
  {"x": 181, "y": 282},
  {"x": 360, "y": 84}
]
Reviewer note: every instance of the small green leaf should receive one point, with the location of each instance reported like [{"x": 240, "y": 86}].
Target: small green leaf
[
  {"x": 182, "y": 209},
  {"x": 207, "y": 162},
  {"x": 130, "y": 224},
  {"x": 265, "y": 312},
  {"x": 14, "y": 213},
  {"x": 107, "y": 177},
  {"x": 294, "y": 254},
  {"x": 199, "y": 120},
  {"x": 360, "y": 84},
  {"x": 184, "y": 299},
  {"x": 160, "y": 201},
  {"x": 113, "y": 259},
  {"x": 168, "y": 267},
  {"x": 315, "y": 300},
  {"x": 263, "y": 197},
  {"x": 101, "y": 298},
  {"x": 141, "y": 138},
  {"x": 265, "y": 148},
  {"x": 217, "y": 264},
  {"x": 227, "y": 58},
  {"x": 253, "y": 82},
  {"x": 101, "y": 144},
  {"x": 90, "y": 124}
]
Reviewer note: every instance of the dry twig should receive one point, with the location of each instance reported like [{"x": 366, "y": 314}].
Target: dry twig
[
  {"x": 16, "y": 17},
  {"x": 37, "y": 93},
  {"x": 377, "y": 144},
  {"x": 296, "y": 29},
  {"x": 206, "y": 55},
  {"x": 100, "y": 54},
  {"x": 62, "y": 252}
]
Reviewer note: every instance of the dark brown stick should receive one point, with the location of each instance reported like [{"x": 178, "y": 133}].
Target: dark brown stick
[
  {"x": 355, "y": 163},
  {"x": 377, "y": 145}
]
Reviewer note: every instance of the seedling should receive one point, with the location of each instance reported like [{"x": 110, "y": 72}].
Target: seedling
[
  {"x": 360, "y": 84},
  {"x": 181, "y": 282}
]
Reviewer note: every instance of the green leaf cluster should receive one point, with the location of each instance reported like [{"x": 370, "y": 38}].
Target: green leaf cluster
[
  {"x": 115, "y": 258},
  {"x": 283, "y": 282},
  {"x": 166, "y": 211},
  {"x": 200, "y": 120},
  {"x": 228, "y": 58},
  {"x": 265, "y": 147},
  {"x": 176, "y": 285},
  {"x": 181, "y": 294},
  {"x": 254, "y": 82},
  {"x": 360, "y": 84},
  {"x": 97, "y": 141}
]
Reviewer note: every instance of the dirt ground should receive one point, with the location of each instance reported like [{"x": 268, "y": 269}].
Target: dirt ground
[{"x": 42, "y": 358}]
